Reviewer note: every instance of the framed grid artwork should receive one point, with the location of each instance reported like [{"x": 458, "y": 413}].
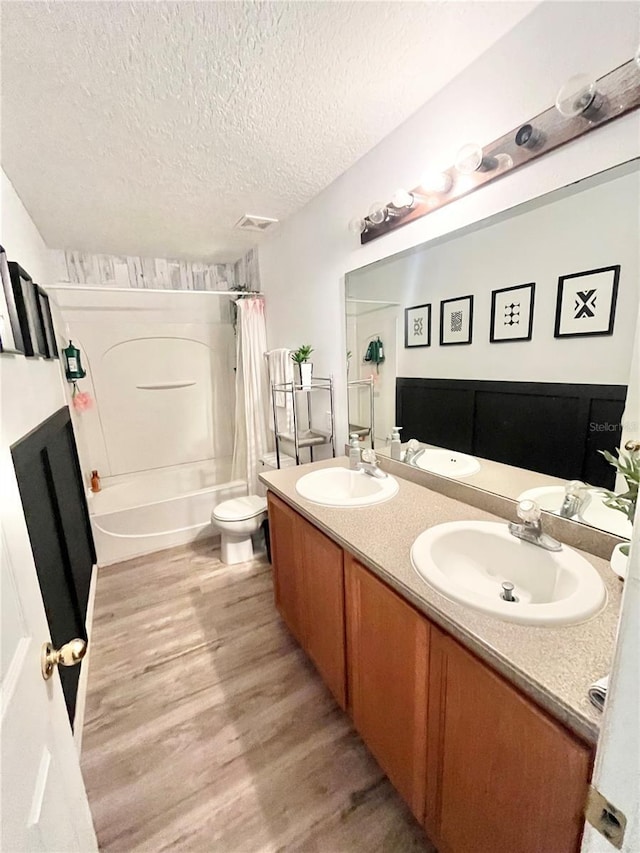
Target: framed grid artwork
[
  {"x": 512, "y": 313},
  {"x": 417, "y": 326},
  {"x": 456, "y": 321},
  {"x": 586, "y": 303}
]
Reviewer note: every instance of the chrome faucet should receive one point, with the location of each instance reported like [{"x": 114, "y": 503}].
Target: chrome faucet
[
  {"x": 531, "y": 528},
  {"x": 413, "y": 448},
  {"x": 576, "y": 498},
  {"x": 369, "y": 465}
]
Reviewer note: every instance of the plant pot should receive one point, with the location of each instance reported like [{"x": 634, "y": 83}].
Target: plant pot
[
  {"x": 305, "y": 370},
  {"x": 619, "y": 562}
]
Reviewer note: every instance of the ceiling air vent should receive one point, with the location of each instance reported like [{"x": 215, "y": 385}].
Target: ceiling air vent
[{"x": 248, "y": 222}]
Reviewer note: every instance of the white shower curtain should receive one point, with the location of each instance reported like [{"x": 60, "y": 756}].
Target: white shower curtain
[{"x": 252, "y": 436}]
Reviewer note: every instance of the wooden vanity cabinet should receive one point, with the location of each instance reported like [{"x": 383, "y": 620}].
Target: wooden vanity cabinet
[
  {"x": 309, "y": 591},
  {"x": 387, "y": 653},
  {"x": 285, "y": 530},
  {"x": 502, "y": 776},
  {"x": 480, "y": 765}
]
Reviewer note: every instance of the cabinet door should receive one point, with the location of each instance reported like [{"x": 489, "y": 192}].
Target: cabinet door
[
  {"x": 387, "y": 644},
  {"x": 503, "y": 776},
  {"x": 323, "y": 593},
  {"x": 286, "y": 556}
]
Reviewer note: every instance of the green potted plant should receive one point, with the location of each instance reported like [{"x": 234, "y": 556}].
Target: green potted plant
[
  {"x": 628, "y": 465},
  {"x": 305, "y": 368}
]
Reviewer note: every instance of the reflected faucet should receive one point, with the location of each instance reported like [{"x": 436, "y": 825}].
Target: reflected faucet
[
  {"x": 576, "y": 498},
  {"x": 531, "y": 528},
  {"x": 413, "y": 448}
]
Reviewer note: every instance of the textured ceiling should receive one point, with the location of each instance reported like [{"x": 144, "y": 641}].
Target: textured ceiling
[{"x": 149, "y": 128}]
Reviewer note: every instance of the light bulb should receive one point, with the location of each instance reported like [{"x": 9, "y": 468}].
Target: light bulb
[
  {"x": 402, "y": 199},
  {"x": 378, "y": 213},
  {"x": 436, "y": 182},
  {"x": 637, "y": 56},
  {"x": 470, "y": 159},
  {"x": 578, "y": 96},
  {"x": 357, "y": 226}
]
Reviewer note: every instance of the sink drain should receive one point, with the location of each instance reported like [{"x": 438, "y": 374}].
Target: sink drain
[{"x": 507, "y": 592}]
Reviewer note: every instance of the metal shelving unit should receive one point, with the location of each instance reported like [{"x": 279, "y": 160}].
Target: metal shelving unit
[{"x": 309, "y": 436}]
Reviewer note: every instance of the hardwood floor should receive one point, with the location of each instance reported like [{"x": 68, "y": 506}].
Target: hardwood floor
[{"x": 208, "y": 730}]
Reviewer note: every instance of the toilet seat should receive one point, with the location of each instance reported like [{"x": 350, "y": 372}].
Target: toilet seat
[{"x": 240, "y": 509}]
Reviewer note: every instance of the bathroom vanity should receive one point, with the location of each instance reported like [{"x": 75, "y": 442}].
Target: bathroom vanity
[{"x": 483, "y": 726}]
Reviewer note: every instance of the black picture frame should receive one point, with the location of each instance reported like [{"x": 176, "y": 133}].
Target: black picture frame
[
  {"x": 587, "y": 307},
  {"x": 422, "y": 312},
  {"x": 28, "y": 311},
  {"x": 47, "y": 323},
  {"x": 12, "y": 340},
  {"x": 528, "y": 331},
  {"x": 444, "y": 311}
]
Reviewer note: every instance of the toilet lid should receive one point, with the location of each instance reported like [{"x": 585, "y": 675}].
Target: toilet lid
[{"x": 239, "y": 509}]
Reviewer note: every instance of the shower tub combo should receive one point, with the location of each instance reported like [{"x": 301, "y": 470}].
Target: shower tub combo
[{"x": 136, "y": 514}]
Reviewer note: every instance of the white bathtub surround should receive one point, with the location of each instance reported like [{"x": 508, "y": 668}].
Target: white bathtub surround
[
  {"x": 252, "y": 436},
  {"x": 140, "y": 513}
]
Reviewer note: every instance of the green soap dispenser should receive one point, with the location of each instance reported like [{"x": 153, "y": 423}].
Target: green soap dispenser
[{"x": 73, "y": 366}]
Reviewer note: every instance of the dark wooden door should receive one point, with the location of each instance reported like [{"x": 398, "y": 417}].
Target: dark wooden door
[
  {"x": 55, "y": 509},
  {"x": 286, "y": 556}
]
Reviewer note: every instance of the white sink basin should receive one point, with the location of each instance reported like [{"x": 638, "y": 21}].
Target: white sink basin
[
  {"x": 447, "y": 463},
  {"x": 595, "y": 513},
  {"x": 344, "y": 487},
  {"x": 468, "y": 562}
]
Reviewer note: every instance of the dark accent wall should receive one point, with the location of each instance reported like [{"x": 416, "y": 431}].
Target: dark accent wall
[
  {"x": 55, "y": 509},
  {"x": 552, "y": 428}
]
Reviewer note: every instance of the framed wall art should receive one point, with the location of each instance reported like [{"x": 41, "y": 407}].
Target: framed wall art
[
  {"x": 28, "y": 311},
  {"x": 512, "y": 313},
  {"x": 417, "y": 326},
  {"x": 47, "y": 323},
  {"x": 456, "y": 321},
  {"x": 586, "y": 302},
  {"x": 10, "y": 329}
]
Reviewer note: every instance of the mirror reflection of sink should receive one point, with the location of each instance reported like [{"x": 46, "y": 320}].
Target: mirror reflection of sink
[
  {"x": 468, "y": 561},
  {"x": 345, "y": 488},
  {"x": 595, "y": 512},
  {"x": 447, "y": 463}
]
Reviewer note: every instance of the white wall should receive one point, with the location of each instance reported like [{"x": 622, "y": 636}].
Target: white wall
[
  {"x": 591, "y": 228},
  {"x": 302, "y": 265}
]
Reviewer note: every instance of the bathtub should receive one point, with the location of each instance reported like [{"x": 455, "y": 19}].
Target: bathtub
[{"x": 138, "y": 514}]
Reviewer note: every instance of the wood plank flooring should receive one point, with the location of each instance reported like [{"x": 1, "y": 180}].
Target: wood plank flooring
[{"x": 207, "y": 729}]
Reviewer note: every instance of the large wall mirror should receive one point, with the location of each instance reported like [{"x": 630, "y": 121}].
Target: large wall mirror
[{"x": 504, "y": 350}]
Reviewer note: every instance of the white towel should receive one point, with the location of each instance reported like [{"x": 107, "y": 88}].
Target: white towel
[
  {"x": 281, "y": 371},
  {"x": 598, "y": 692}
]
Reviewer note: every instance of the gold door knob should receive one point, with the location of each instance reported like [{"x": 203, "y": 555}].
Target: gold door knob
[{"x": 68, "y": 655}]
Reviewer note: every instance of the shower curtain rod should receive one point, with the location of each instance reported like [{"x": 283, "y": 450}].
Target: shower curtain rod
[{"x": 105, "y": 289}]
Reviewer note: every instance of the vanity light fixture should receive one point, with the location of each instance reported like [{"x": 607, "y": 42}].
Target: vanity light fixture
[
  {"x": 436, "y": 182},
  {"x": 600, "y": 101},
  {"x": 528, "y": 136},
  {"x": 378, "y": 213},
  {"x": 470, "y": 158},
  {"x": 358, "y": 225},
  {"x": 579, "y": 96},
  {"x": 403, "y": 200}
]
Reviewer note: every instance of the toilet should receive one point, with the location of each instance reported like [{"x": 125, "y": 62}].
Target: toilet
[{"x": 237, "y": 520}]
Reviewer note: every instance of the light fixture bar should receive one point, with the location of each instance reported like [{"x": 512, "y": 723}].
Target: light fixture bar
[{"x": 619, "y": 94}]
